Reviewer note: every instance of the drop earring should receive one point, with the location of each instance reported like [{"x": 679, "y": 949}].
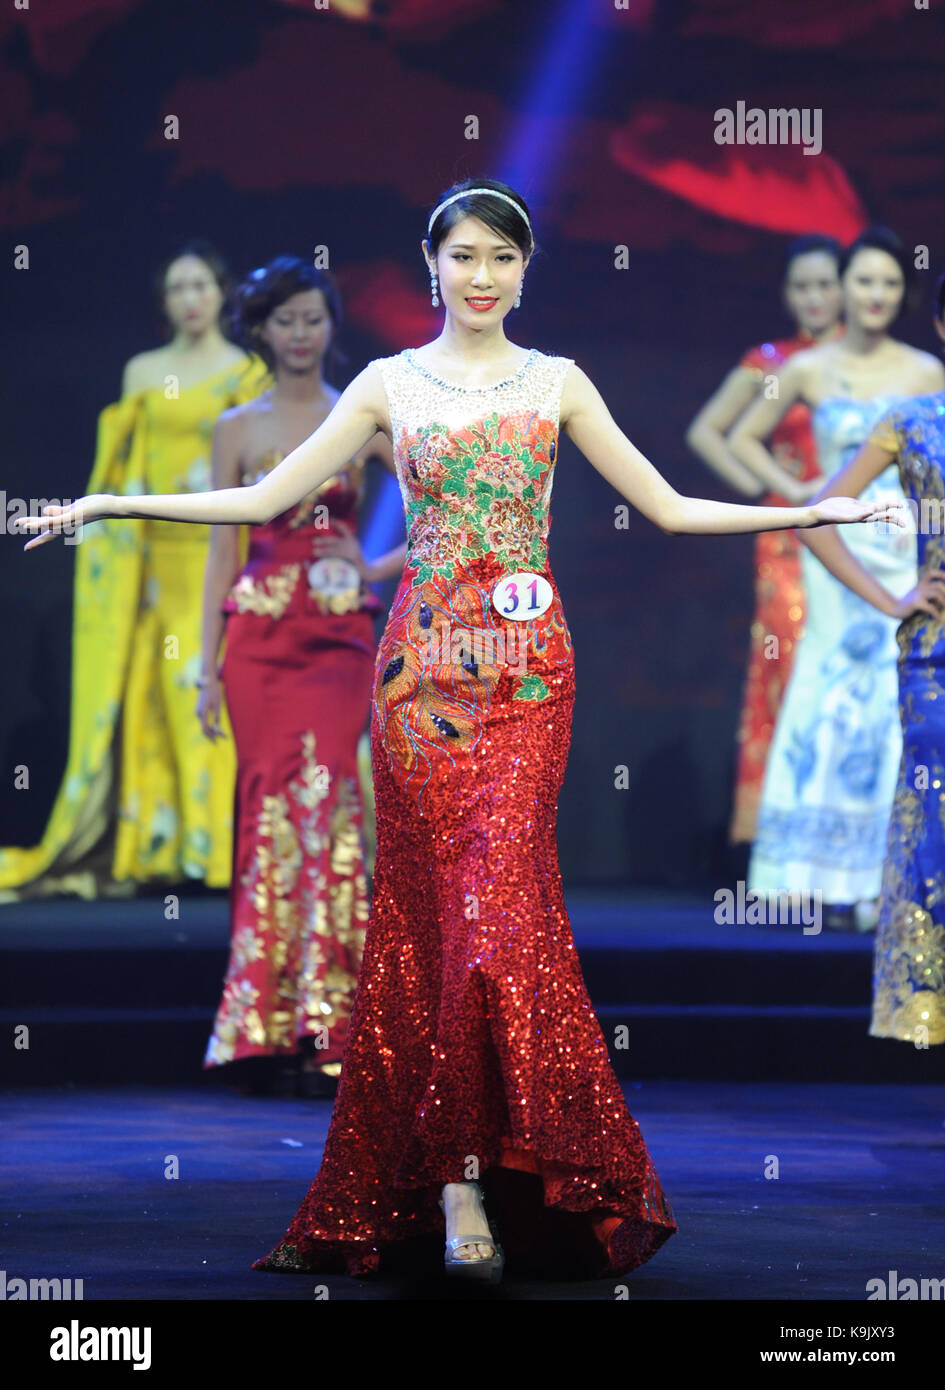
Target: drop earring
[
  {"x": 518, "y": 298},
  {"x": 436, "y": 300}
]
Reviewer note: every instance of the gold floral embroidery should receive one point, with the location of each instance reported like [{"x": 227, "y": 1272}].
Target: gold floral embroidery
[
  {"x": 347, "y": 602},
  {"x": 345, "y": 841},
  {"x": 247, "y": 948},
  {"x": 239, "y": 1018},
  {"x": 909, "y": 1001},
  {"x": 271, "y": 597},
  {"x": 909, "y": 971},
  {"x": 308, "y": 893},
  {"x": 312, "y": 788}
]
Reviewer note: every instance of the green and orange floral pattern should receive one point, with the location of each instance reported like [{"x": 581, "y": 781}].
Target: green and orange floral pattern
[{"x": 477, "y": 509}]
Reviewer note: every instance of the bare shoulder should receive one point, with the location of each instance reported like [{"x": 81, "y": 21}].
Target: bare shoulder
[
  {"x": 928, "y": 369},
  {"x": 366, "y": 394},
  {"x": 232, "y": 438},
  {"x": 142, "y": 369},
  {"x": 802, "y": 365},
  {"x": 233, "y": 422},
  {"x": 578, "y": 393},
  {"x": 797, "y": 375},
  {"x": 234, "y": 356}
]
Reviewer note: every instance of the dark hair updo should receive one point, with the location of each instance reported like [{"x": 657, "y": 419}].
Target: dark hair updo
[
  {"x": 878, "y": 239},
  {"x": 809, "y": 243},
  {"x": 881, "y": 239},
  {"x": 203, "y": 251},
  {"x": 496, "y": 213},
  {"x": 265, "y": 289}
]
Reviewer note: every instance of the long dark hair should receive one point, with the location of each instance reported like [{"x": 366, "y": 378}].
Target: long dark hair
[{"x": 265, "y": 289}]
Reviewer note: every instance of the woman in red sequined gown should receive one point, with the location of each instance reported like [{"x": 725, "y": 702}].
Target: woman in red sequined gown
[
  {"x": 473, "y": 1049},
  {"x": 297, "y": 674},
  {"x": 812, "y": 296}
]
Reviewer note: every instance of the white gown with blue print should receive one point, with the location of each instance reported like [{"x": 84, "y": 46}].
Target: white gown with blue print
[{"x": 832, "y": 767}]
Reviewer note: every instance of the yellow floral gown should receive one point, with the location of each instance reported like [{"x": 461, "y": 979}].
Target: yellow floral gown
[{"x": 145, "y": 795}]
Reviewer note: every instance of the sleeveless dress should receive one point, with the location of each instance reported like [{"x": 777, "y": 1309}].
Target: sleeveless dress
[
  {"x": 779, "y": 596},
  {"x": 297, "y": 672},
  {"x": 909, "y": 961},
  {"x": 473, "y": 1049},
  {"x": 145, "y": 797},
  {"x": 834, "y": 758}
]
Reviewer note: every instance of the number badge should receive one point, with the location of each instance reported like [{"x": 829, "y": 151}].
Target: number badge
[
  {"x": 522, "y": 596},
  {"x": 333, "y": 575}
]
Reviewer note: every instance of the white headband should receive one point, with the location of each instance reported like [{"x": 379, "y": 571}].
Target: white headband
[{"x": 467, "y": 193}]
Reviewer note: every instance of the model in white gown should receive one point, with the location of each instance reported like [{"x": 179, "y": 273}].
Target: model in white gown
[{"x": 831, "y": 772}]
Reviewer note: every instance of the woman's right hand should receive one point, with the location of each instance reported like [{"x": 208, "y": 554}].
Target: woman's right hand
[
  {"x": 928, "y": 596},
  {"x": 208, "y": 708},
  {"x": 57, "y": 520}
]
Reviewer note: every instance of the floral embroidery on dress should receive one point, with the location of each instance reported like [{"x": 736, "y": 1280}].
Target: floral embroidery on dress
[
  {"x": 425, "y": 700},
  {"x": 334, "y": 584},
  {"x": 476, "y": 490},
  {"x": 909, "y": 964},
  {"x": 485, "y": 474},
  {"x": 270, "y": 597},
  {"x": 306, "y": 895}
]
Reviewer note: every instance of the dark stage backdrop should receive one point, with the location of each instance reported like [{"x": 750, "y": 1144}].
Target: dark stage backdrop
[{"x": 302, "y": 124}]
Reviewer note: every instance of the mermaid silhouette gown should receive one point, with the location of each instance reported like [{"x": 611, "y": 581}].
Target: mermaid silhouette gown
[
  {"x": 473, "y": 1050},
  {"x": 297, "y": 677},
  {"x": 834, "y": 758},
  {"x": 909, "y": 961}
]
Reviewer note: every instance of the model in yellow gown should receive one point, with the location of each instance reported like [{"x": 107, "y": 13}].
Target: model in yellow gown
[{"x": 144, "y": 795}]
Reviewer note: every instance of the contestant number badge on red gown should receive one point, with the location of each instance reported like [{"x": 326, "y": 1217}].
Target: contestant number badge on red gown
[
  {"x": 522, "y": 596},
  {"x": 335, "y": 583}
]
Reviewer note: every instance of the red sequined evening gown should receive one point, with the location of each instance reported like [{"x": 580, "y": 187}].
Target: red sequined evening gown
[{"x": 473, "y": 1048}]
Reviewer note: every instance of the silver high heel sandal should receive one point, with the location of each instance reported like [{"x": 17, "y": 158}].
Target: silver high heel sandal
[{"x": 488, "y": 1267}]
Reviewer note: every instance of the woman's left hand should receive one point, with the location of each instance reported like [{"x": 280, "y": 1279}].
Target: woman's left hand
[
  {"x": 346, "y": 545},
  {"x": 833, "y": 511}
]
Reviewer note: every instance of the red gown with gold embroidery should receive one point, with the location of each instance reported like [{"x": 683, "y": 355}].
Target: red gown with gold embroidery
[
  {"x": 297, "y": 676},
  {"x": 779, "y": 598},
  {"x": 473, "y": 1049}
]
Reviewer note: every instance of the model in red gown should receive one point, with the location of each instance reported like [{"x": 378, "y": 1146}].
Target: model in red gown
[
  {"x": 297, "y": 674},
  {"x": 473, "y": 1049},
  {"x": 812, "y": 297},
  {"x": 779, "y": 597}
]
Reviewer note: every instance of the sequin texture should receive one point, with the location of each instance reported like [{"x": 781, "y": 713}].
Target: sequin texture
[{"x": 473, "y": 1049}]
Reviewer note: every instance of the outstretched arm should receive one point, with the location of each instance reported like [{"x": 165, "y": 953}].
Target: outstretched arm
[
  {"x": 359, "y": 412},
  {"x": 590, "y": 424}
]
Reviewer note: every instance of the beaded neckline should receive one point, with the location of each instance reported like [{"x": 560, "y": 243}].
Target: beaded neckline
[{"x": 471, "y": 390}]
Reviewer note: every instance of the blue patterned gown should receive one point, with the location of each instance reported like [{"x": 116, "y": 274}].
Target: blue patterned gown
[
  {"x": 831, "y": 771},
  {"x": 909, "y": 970}
]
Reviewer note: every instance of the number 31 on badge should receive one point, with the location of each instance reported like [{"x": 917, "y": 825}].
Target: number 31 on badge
[{"x": 522, "y": 596}]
